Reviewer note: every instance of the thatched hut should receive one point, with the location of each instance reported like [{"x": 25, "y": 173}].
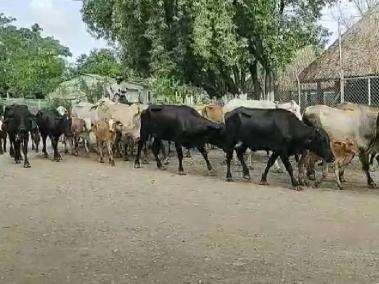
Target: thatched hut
[{"x": 360, "y": 63}]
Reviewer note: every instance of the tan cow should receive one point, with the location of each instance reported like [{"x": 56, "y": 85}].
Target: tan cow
[
  {"x": 357, "y": 123},
  {"x": 78, "y": 131},
  {"x": 213, "y": 113},
  {"x": 105, "y": 131},
  {"x": 128, "y": 120},
  {"x": 344, "y": 151}
]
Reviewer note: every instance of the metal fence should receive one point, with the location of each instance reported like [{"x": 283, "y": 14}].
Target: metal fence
[{"x": 359, "y": 90}]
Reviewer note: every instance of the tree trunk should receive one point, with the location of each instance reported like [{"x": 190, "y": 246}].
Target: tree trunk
[{"x": 253, "y": 68}]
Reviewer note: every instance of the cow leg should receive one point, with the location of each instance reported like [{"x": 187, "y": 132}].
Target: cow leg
[
  {"x": 54, "y": 142},
  {"x": 250, "y": 159},
  {"x": 155, "y": 148},
  {"x": 11, "y": 146},
  {"x": 100, "y": 150},
  {"x": 76, "y": 141},
  {"x": 229, "y": 157},
  {"x": 64, "y": 141},
  {"x": 17, "y": 156},
  {"x": 5, "y": 143},
  {"x": 363, "y": 157},
  {"x": 188, "y": 153},
  {"x": 179, "y": 152},
  {"x": 110, "y": 153},
  {"x": 85, "y": 142},
  {"x": 25, "y": 152},
  {"x": 277, "y": 167},
  {"x": 37, "y": 143},
  {"x": 240, "y": 153},
  {"x": 300, "y": 166},
  {"x": 287, "y": 164},
  {"x": 270, "y": 163},
  {"x": 126, "y": 157},
  {"x": 338, "y": 174},
  {"x": 141, "y": 143},
  {"x": 44, "y": 137},
  {"x": 342, "y": 175},
  {"x": 203, "y": 152}
]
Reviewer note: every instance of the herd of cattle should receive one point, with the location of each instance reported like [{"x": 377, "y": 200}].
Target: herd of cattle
[{"x": 319, "y": 134}]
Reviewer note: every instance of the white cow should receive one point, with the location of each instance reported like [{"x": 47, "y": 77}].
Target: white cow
[{"x": 291, "y": 106}]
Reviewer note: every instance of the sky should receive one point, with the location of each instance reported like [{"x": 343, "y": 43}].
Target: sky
[
  {"x": 62, "y": 20},
  {"x": 58, "y": 18}
]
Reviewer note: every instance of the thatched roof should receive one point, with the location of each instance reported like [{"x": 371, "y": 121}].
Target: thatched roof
[
  {"x": 360, "y": 56},
  {"x": 287, "y": 79}
]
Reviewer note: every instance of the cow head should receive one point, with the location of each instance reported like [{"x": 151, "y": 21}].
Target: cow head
[
  {"x": 319, "y": 143},
  {"x": 344, "y": 147},
  {"x": 18, "y": 120},
  {"x": 215, "y": 134},
  {"x": 67, "y": 122}
]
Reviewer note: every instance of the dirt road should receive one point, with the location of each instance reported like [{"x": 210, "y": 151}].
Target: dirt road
[{"x": 81, "y": 222}]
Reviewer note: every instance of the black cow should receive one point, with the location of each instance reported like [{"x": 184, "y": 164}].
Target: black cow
[
  {"x": 180, "y": 124},
  {"x": 18, "y": 123},
  {"x": 52, "y": 124},
  {"x": 275, "y": 130}
]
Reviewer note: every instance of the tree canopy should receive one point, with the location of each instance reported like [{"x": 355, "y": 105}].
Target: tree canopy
[
  {"x": 213, "y": 44},
  {"x": 100, "y": 62},
  {"x": 30, "y": 65}
]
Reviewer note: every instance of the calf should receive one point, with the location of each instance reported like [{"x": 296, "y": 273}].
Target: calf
[
  {"x": 78, "y": 131},
  {"x": 182, "y": 125},
  {"x": 18, "y": 123},
  {"x": 343, "y": 151},
  {"x": 275, "y": 130},
  {"x": 105, "y": 131},
  {"x": 53, "y": 124}
]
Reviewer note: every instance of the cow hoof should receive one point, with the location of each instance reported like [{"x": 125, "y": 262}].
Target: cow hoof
[
  {"x": 145, "y": 162},
  {"x": 18, "y": 162},
  {"x": 372, "y": 185},
  {"x": 46, "y": 156},
  {"x": 112, "y": 164},
  {"x": 211, "y": 173},
  {"x": 26, "y": 166},
  {"x": 298, "y": 188},
  {"x": 340, "y": 188},
  {"x": 229, "y": 179},
  {"x": 263, "y": 182},
  {"x": 182, "y": 173},
  {"x": 101, "y": 162},
  {"x": 247, "y": 177}
]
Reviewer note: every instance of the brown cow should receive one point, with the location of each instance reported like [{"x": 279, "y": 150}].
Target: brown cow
[
  {"x": 105, "y": 131},
  {"x": 213, "y": 113},
  {"x": 78, "y": 131},
  {"x": 343, "y": 151}
]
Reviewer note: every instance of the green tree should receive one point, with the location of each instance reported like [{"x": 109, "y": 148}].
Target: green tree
[
  {"x": 101, "y": 62},
  {"x": 30, "y": 65},
  {"x": 213, "y": 44}
]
